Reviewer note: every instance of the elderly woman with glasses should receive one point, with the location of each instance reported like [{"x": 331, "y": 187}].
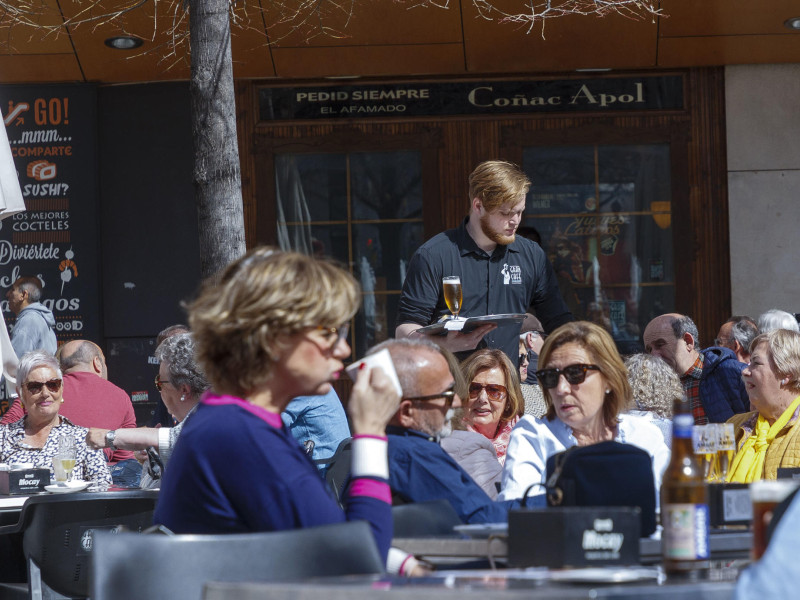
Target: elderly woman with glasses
[
  {"x": 271, "y": 327},
  {"x": 586, "y": 389},
  {"x": 181, "y": 383},
  {"x": 495, "y": 400},
  {"x": 36, "y": 437}
]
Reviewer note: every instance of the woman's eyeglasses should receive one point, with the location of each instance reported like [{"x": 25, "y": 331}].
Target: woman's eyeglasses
[
  {"x": 493, "y": 390},
  {"x": 523, "y": 358},
  {"x": 574, "y": 374},
  {"x": 160, "y": 383},
  {"x": 35, "y": 387},
  {"x": 340, "y": 332}
]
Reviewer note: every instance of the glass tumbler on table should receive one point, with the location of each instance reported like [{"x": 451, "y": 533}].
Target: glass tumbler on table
[
  {"x": 726, "y": 444},
  {"x": 704, "y": 441}
]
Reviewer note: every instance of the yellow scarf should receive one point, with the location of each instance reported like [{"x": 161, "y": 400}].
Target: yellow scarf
[{"x": 748, "y": 464}]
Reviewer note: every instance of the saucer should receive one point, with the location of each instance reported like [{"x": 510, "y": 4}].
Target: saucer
[{"x": 66, "y": 487}]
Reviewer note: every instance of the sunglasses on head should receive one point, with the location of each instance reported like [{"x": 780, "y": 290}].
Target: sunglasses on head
[
  {"x": 493, "y": 390},
  {"x": 574, "y": 374},
  {"x": 35, "y": 387}
]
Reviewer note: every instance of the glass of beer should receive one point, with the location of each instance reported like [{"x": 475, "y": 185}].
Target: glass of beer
[
  {"x": 452, "y": 293},
  {"x": 726, "y": 444},
  {"x": 765, "y": 496},
  {"x": 704, "y": 442}
]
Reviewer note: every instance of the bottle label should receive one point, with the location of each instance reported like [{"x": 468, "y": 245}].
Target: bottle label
[
  {"x": 685, "y": 535},
  {"x": 682, "y": 426}
]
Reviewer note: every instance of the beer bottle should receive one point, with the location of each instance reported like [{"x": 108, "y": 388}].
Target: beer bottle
[{"x": 684, "y": 503}]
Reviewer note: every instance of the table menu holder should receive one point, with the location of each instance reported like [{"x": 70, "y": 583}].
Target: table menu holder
[
  {"x": 581, "y": 536},
  {"x": 729, "y": 504},
  {"x": 24, "y": 481}
]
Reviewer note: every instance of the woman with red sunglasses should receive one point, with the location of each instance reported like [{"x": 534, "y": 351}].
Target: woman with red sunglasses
[
  {"x": 586, "y": 389},
  {"x": 34, "y": 439},
  {"x": 495, "y": 399}
]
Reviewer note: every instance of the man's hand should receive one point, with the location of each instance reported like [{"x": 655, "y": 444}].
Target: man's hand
[
  {"x": 455, "y": 341},
  {"x": 96, "y": 438}
]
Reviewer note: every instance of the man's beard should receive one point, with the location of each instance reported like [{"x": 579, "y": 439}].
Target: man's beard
[
  {"x": 497, "y": 238},
  {"x": 447, "y": 429}
]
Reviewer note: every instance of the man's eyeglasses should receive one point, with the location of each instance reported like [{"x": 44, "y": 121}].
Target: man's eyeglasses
[
  {"x": 449, "y": 395},
  {"x": 340, "y": 332},
  {"x": 35, "y": 387},
  {"x": 160, "y": 383},
  {"x": 722, "y": 342},
  {"x": 493, "y": 390},
  {"x": 574, "y": 374}
]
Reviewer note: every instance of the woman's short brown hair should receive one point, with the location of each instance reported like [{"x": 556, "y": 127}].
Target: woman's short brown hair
[
  {"x": 497, "y": 183},
  {"x": 240, "y": 323},
  {"x": 601, "y": 349},
  {"x": 486, "y": 359}
]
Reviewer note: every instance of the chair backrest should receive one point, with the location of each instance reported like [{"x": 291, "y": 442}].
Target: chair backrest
[
  {"x": 59, "y": 530},
  {"x": 338, "y": 470},
  {"x": 425, "y": 519},
  {"x": 175, "y": 567}
]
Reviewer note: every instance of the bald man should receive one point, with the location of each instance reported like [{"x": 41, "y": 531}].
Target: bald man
[{"x": 711, "y": 378}]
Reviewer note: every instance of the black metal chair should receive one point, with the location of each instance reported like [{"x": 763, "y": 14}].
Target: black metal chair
[
  {"x": 338, "y": 468},
  {"x": 425, "y": 519},
  {"x": 57, "y": 533},
  {"x": 175, "y": 567}
]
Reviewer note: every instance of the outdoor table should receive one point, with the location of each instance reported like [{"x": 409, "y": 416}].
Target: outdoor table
[
  {"x": 508, "y": 584},
  {"x": 725, "y": 545}
]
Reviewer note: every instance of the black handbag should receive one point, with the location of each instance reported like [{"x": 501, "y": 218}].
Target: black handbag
[{"x": 604, "y": 474}]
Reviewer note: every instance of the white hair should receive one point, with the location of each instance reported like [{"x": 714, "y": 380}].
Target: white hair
[{"x": 777, "y": 319}]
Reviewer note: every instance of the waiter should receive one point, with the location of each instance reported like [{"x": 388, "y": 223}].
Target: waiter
[{"x": 500, "y": 273}]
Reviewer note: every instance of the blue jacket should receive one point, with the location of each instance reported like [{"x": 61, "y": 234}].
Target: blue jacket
[
  {"x": 420, "y": 470},
  {"x": 722, "y": 391}
]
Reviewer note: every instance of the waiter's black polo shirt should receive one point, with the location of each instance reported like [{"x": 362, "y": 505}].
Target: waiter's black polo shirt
[{"x": 516, "y": 278}]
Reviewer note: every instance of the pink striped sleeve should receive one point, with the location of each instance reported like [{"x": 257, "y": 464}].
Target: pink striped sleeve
[{"x": 373, "y": 489}]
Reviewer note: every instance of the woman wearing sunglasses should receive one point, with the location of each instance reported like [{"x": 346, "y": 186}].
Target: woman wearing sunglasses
[
  {"x": 35, "y": 437},
  {"x": 586, "y": 388},
  {"x": 495, "y": 399}
]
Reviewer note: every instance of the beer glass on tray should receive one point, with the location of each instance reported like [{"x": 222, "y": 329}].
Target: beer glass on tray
[
  {"x": 452, "y": 293},
  {"x": 704, "y": 441}
]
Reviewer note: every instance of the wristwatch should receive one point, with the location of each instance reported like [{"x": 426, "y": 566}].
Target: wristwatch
[{"x": 110, "y": 435}]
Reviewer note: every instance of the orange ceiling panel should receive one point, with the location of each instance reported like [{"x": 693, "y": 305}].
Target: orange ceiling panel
[
  {"x": 726, "y": 17},
  {"x": 570, "y": 42},
  {"x": 30, "y": 68},
  {"x": 728, "y": 50},
  {"x": 362, "y": 22},
  {"x": 369, "y": 60}
]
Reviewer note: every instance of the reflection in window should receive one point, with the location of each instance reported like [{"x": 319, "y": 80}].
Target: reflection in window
[
  {"x": 365, "y": 211},
  {"x": 604, "y": 216}
]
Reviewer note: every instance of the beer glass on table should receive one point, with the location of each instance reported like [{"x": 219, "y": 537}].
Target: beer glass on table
[
  {"x": 726, "y": 444},
  {"x": 765, "y": 495},
  {"x": 704, "y": 441},
  {"x": 452, "y": 293}
]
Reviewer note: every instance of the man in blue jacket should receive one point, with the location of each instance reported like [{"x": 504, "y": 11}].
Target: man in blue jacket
[
  {"x": 711, "y": 378},
  {"x": 419, "y": 468}
]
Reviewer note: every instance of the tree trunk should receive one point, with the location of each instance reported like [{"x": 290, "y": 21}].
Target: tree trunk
[{"x": 217, "y": 177}]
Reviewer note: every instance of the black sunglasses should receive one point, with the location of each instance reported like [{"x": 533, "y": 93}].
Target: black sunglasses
[
  {"x": 574, "y": 374},
  {"x": 34, "y": 387},
  {"x": 449, "y": 395}
]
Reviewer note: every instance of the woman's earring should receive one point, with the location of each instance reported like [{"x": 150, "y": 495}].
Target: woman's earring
[
  {"x": 183, "y": 397},
  {"x": 608, "y": 391}
]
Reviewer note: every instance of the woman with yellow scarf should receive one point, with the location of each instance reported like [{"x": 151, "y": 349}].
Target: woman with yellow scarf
[{"x": 769, "y": 437}]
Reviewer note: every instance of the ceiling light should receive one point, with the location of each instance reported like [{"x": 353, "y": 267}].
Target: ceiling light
[
  {"x": 124, "y": 42},
  {"x": 793, "y": 23}
]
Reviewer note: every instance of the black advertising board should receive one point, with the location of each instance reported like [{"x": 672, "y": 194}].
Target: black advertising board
[
  {"x": 416, "y": 99},
  {"x": 52, "y": 134}
]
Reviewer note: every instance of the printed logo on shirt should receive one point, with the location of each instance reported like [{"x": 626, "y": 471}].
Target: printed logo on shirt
[{"x": 512, "y": 274}]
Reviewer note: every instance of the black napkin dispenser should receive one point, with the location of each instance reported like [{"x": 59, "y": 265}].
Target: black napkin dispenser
[
  {"x": 24, "y": 481},
  {"x": 573, "y": 536},
  {"x": 729, "y": 504}
]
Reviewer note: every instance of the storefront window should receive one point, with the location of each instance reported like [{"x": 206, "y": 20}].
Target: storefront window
[
  {"x": 363, "y": 209},
  {"x": 604, "y": 217}
]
